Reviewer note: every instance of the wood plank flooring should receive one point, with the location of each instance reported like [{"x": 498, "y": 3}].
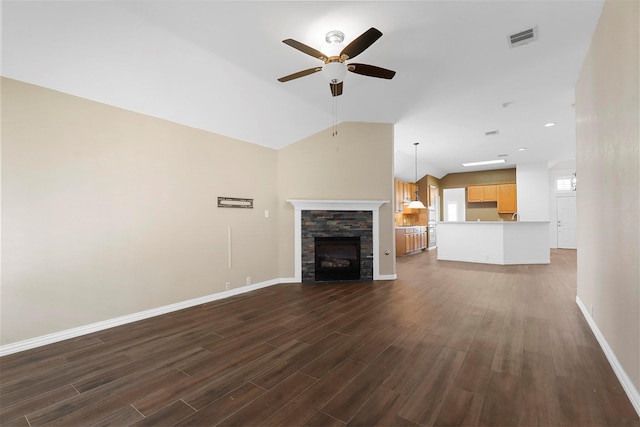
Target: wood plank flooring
[{"x": 447, "y": 344}]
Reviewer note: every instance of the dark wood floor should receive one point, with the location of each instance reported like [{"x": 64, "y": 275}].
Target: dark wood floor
[{"x": 447, "y": 344}]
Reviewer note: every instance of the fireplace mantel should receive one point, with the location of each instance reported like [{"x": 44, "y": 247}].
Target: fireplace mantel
[{"x": 336, "y": 205}]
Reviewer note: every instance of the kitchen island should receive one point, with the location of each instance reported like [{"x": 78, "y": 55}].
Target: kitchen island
[{"x": 494, "y": 242}]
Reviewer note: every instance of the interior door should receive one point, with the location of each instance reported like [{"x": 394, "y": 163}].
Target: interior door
[{"x": 566, "y": 207}]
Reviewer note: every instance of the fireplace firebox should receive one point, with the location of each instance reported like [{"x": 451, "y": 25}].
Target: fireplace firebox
[{"x": 337, "y": 258}]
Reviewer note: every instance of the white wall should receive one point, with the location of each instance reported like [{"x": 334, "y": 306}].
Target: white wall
[{"x": 533, "y": 191}]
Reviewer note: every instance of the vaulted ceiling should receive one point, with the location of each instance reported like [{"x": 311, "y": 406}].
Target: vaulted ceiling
[{"x": 214, "y": 65}]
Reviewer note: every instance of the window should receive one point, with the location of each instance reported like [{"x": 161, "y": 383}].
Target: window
[{"x": 564, "y": 184}]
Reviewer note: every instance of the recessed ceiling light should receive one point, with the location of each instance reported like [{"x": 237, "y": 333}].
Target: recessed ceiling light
[
  {"x": 522, "y": 149},
  {"x": 548, "y": 125},
  {"x": 485, "y": 162}
]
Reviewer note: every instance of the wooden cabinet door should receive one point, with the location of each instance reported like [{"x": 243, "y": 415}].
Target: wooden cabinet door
[
  {"x": 482, "y": 193},
  {"x": 401, "y": 243},
  {"x": 475, "y": 193},
  {"x": 410, "y": 191},
  {"x": 398, "y": 189},
  {"x": 409, "y": 243},
  {"x": 490, "y": 193},
  {"x": 507, "y": 198}
]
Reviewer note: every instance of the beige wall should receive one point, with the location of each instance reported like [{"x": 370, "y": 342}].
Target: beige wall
[
  {"x": 106, "y": 212},
  {"x": 357, "y": 164},
  {"x": 608, "y": 165}
]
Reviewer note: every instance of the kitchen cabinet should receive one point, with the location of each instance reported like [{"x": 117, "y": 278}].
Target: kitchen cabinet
[
  {"x": 482, "y": 193},
  {"x": 410, "y": 191},
  {"x": 404, "y": 193},
  {"x": 410, "y": 239},
  {"x": 507, "y": 198},
  {"x": 398, "y": 190}
]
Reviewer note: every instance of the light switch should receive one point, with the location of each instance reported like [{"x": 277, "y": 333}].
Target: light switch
[{"x": 266, "y": 213}]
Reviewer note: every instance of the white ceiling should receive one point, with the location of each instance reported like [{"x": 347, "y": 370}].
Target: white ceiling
[{"x": 213, "y": 65}]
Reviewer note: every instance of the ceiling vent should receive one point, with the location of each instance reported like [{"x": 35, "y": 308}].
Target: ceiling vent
[
  {"x": 492, "y": 132},
  {"x": 523, "y": 37}
]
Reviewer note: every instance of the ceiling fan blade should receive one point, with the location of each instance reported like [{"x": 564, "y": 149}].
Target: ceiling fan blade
[
  {"x": 359, "y": 45},
  {"x": 336, "y": 88},
  {"x": 299, "y": 74},
  {"x": 305, "y": 49},
  {"x": 371, "y": 71}
]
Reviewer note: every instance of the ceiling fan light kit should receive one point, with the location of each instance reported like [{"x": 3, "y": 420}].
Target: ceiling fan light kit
[
  {"x": 334, "y": 67},
  {"x": 334, "y": 72}
]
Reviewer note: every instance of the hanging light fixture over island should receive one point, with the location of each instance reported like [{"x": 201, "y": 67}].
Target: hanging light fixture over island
[{"x": 416, "y": 203}]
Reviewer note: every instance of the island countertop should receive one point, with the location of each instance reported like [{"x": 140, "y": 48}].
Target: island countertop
[
  {"x": 494, "y": 242},
  {"x": 493, "y": 222}
]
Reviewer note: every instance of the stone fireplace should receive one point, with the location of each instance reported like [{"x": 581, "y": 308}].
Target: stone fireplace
[
  {"x": 338, "y": 220},
  {"x": 335, "y": 235}
]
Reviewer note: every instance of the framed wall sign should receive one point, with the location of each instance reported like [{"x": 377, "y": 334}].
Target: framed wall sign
[{"x": 234, "y": 202}]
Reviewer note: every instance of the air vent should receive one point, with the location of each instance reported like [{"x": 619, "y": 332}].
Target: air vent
[
  {"x": 492, "y": 132},
  {"x": 523, "y": 37}
]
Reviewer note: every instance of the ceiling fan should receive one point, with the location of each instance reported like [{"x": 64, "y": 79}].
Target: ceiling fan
[{"x": 334, "y": 66}]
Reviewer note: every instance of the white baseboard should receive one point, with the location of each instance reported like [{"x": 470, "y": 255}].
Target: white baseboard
[
  {"x": 627, "y": 384},
  {"x": 118, "y": 321},
  {"x": 40, "y": 341},
  {"x": 387, "y": 277},
  {"x": 495, "y": 261}
]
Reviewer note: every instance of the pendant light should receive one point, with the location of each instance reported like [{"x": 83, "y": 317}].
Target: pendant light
[{"x": 416, "y": 204}]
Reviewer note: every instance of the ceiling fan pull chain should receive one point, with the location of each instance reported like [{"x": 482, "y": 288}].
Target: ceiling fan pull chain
[{"x": 335, "y": 116}]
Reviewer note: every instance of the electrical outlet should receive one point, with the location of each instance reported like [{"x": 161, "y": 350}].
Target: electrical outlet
[
  {"x": 227, "y": 286},
  {"x": 248, "y": 280}
]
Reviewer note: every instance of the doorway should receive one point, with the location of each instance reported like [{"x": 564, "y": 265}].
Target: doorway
[
  {"x": 454, "y": 204},
  {"x": 566, "y": 211}
]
